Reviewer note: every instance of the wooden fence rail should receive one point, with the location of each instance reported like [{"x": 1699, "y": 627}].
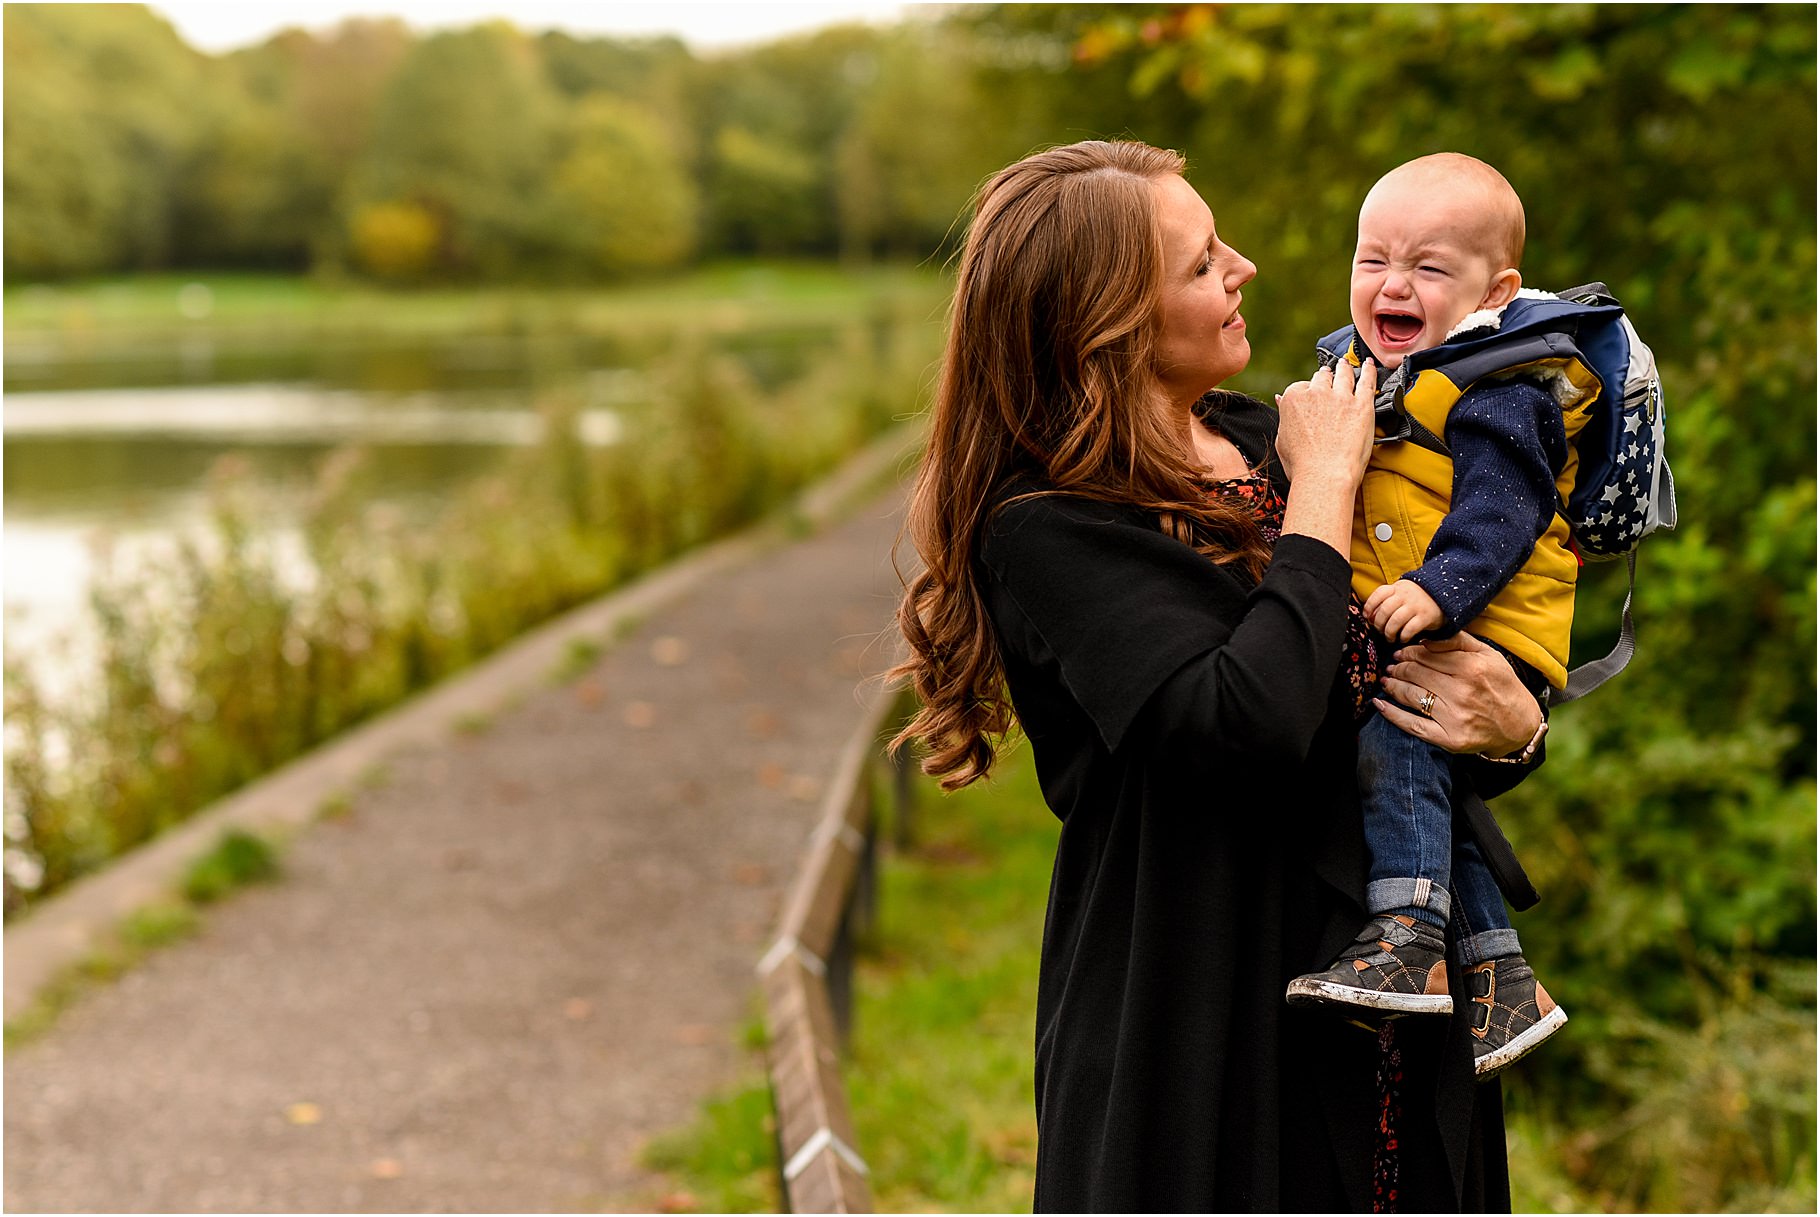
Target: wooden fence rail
[{"x": 808, "y": 971}]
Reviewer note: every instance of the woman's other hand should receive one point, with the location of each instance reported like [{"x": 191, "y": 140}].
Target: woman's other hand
[
  {"x": 1325, "y": 423},
  {"x": 1324, "y": 440},
  {"x": 1479, "y": 704}
]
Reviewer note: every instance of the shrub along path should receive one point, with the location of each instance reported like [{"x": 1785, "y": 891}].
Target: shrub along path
[{"x": 510, "y": 962}]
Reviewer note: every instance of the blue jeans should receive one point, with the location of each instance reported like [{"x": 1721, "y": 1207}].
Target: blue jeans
[{"x": 1406, "y": 788}]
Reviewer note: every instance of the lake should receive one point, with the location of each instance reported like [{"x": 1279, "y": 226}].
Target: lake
[{"x": 115, "y": 452}]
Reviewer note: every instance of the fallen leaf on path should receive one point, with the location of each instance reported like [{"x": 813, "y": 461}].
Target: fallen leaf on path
[
  {"x": 762, "y": 724},
  {"x": 669, "y": 650},
  {"x": 751, "y": 874},
  {"x": 694, "y": 1034},
  {"x": 677, "y": 1202},
  {"x": 772, "y": 776},
  {"x": 577, "y": 1008},
  {"x": 590, "y": 693},
  {"x": 303, "y": 1113},
  {"x": 804, "y": 787},
  {"x": 640, "y": 714},
  {"x": 387, "y": 1168}
]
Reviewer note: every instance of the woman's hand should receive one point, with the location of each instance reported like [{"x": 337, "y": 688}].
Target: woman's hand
[
  {"x": 1324, "y": 439},
  {"x": 1479, "y": 704},
  {"x": 1325, "y": 423}
]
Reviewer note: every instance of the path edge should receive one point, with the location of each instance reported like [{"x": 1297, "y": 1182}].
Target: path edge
[{"x": 43, "y": 944}]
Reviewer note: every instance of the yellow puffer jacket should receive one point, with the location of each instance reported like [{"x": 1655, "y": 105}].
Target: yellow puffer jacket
[{"x": 1407, "y": 491}]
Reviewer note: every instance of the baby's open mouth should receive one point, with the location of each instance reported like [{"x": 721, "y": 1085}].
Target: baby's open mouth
[{"x": 1398, "y": 328}]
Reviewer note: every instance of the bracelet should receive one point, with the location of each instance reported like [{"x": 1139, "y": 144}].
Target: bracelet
[{"x": 1529, "y": 750}]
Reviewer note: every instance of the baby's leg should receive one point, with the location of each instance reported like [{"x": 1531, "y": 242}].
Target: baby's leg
[
  {"x": 1511, "y": 1014},
  {"x": 1482, "y": 925},
  {"x": 1406, "y": 790},
  {"x": 1397, "y": 964}
]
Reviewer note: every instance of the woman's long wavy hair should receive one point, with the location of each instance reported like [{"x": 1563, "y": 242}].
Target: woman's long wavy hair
[{"x": 1049, "y": 376}]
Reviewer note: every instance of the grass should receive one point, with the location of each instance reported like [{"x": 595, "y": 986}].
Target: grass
[
  {"x": 237, "y": 859},
  {"x": 578, "y": 658},
  {"x": 473, "y": 722},
  {"x": 712, "y": 298},
  {"x": 159, "y": 925},
  {"x": 337, "y": 806},
  {"x": 726, "y": 1161},
  {"x": 939, "y": 1073}
]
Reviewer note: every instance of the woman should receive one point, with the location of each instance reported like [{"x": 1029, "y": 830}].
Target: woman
[{"x": 1091, "y": 563}]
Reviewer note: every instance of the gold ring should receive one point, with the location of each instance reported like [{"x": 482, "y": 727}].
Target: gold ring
[{"x": 1427, "y": 703}]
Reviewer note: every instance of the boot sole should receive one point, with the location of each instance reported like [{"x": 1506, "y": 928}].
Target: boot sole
[
  {"x": 1495, "y": 1062},
  {"x": 1305, "y": 991}
]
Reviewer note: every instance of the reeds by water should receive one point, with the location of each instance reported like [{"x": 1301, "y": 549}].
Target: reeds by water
[{"x": 226, "y": 663}]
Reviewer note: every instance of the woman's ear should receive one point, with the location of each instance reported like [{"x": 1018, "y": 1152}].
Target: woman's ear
[{"x": 1503, "y": 289}]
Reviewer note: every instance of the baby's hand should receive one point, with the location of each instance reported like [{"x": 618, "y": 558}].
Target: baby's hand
[{"x": 1401, "y": 610}]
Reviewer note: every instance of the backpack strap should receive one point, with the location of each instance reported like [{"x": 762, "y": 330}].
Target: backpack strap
[
  {"x": 1393, "y": 422},
  {"x": 1588, "y": 293},
  {"x": 1500, "y": 859},
  {"x": 1396, "y": 423},
  {"x": 1595, "y": 672}
]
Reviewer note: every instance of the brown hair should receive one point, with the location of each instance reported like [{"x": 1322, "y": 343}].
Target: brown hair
[{"x": 1048, "y": 376}]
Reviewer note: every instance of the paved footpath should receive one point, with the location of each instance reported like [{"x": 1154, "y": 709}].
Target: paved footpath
[{"x": 526, "y": 951}]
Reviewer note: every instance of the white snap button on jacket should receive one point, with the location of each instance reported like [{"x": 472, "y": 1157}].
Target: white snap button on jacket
[{"x": 1382, "y": 532}]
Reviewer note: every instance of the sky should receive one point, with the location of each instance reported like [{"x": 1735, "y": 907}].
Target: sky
[{"x": 211, "y": 26}]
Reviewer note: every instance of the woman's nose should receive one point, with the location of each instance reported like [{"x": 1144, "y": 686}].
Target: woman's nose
[{"x": 1244, "y": 270}]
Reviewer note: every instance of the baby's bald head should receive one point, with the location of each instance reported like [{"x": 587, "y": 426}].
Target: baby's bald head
[{"x": 1496, "y": 230}]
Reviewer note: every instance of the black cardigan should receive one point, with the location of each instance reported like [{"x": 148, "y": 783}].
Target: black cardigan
[{"x": 1187, "y": 734}]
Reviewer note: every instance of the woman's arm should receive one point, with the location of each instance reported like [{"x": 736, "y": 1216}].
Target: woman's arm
[
  {"x": 1101, "y": 602},
  {"x": 1261, "y": 695}
]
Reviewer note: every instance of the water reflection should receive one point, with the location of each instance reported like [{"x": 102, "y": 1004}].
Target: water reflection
[
  {"x": 130, "y": 466},
  {"x": 290, "y": 414}
]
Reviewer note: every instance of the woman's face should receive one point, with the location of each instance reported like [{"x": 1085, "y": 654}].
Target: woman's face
[{"x": 1202, "y": 339}]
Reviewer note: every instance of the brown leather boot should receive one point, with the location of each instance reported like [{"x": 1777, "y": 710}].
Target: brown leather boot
[
  {"x": 1511, "y": 1013},
  {"x": 1397, "y": 965}
]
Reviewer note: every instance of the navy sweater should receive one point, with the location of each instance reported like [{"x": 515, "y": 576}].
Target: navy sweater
[{"x": 1508, "y": 446}]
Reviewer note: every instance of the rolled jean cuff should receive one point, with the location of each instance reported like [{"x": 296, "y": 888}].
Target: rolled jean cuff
[
  {"x": 1389, "y": 895},
  {"x": 1489, "y": 944}
]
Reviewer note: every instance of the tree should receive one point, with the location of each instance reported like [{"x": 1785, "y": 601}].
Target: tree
[
  {"x": 623, "y": 200},
  {"x": 768, "y": 194},
  {"x": 915, "y": 148},
  {"x": 101, "y": 123},
  {"x": 466, "y": 130},
  {"x": 771, "y": 120}
]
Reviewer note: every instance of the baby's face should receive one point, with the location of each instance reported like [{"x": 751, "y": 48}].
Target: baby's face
[{"x": 1422, "y": 264}]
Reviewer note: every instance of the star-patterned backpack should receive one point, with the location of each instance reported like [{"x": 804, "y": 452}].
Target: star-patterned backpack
[{"x": 1582, "y": 348}]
